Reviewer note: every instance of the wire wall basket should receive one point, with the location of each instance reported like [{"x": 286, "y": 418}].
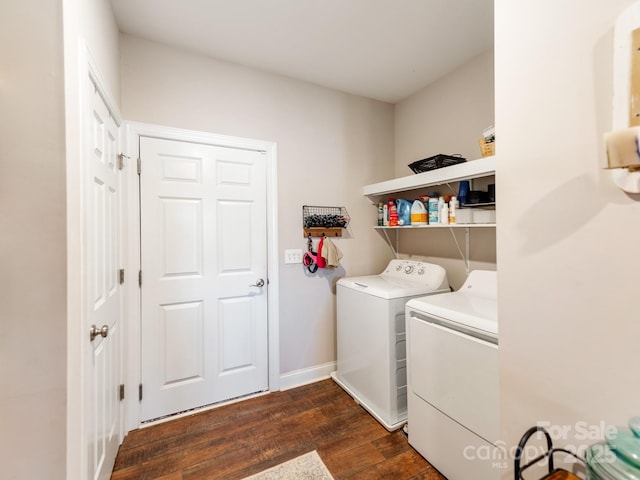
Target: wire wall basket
[{"x": 320, "y": 221}]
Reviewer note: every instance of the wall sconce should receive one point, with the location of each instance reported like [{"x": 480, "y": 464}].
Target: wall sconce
[
  {"x": 623, "y": 143},
  {"x": 623, "y": 158}
]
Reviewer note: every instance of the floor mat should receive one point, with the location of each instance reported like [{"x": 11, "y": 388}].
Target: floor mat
[{"x": 305, "y": 467}]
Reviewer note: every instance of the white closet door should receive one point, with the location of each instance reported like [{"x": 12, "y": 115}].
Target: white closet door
[{"x": 204, "y": 271}]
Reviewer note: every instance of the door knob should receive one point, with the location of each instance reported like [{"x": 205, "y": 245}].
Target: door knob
[
  {"x": 95, "y": 331},
  {"x": 259, "y": 283}
]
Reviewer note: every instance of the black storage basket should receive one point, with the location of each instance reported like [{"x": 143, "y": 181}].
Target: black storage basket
[{"x": 437, "y": 161}]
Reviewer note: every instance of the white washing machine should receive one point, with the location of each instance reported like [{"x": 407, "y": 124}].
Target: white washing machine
[
  {"x": 453, "y": 396},
  {"x": 371, "y": 363}
]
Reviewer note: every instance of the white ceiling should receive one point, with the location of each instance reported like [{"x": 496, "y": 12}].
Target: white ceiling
[{"x": 382, "y": 49}]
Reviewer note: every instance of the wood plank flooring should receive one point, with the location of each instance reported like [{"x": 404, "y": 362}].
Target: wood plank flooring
[{"x": 237, "y": 440}]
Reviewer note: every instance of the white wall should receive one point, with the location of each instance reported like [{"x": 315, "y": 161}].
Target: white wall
[
  {"x": 329, "y": 145},
  {"x": 567, "y": 239},
  {"x": 39, "y": 51},
  {"x": 448, "y": 117},
  {"x": 32, "y": 242}
]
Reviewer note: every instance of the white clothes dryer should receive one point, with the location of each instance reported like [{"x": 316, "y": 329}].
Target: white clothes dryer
[
  {"x": 453, "y": 398},
  {"x": 371, "y": 344}
]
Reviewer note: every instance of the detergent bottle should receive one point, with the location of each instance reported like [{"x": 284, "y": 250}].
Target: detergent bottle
[
  {"x": 404, "y": 212},
  {"x": 434, "y": 211},
  {"x": 392, "y": 212},
  {"x": 418, "y": 213}
]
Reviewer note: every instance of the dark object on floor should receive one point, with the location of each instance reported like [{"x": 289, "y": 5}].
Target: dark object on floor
[{"x": 554, "y": 473}]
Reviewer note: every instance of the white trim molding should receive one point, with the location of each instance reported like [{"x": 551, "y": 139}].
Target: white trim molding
[{"x": 297, "y": 378}]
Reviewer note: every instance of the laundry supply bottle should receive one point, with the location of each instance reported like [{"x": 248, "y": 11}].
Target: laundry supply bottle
[
  {"x": 393, "y": 212},
  {"x": 434, "y": 213},
  {"x": 418, "y": 213},
  {"x": 463, "y": 190},
  {"x": 441, "y": 203},
  {"x": 452, "y": 210},
  {"x": 404, "y": 212},
  {"x": 444, "y": 213}
]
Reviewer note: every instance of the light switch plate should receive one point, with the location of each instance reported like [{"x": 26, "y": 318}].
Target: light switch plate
[{"x": 293, "y": 256}]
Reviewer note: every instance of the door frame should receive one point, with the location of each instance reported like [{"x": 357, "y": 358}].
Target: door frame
[{"x": 133, "y": 353}]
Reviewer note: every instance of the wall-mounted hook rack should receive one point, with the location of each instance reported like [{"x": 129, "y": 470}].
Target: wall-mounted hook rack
[
  {"x": 320, "y": 221},
  {"x": 323, "y": 232}
]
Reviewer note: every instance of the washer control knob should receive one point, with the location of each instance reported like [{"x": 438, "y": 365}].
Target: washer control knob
[
  {"x": 398, "y": 268},
  {"x": 408, "y": 269},
  {"x": 421, "y": 271}
]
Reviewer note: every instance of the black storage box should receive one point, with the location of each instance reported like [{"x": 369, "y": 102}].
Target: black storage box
[{"x": 437, "y": 161}]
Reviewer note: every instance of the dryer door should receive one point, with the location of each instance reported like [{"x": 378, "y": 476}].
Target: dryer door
[{"x": 455, "y": 373}]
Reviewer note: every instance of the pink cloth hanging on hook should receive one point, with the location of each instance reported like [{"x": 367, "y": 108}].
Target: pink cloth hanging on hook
[{"x": 322, "y": 263}]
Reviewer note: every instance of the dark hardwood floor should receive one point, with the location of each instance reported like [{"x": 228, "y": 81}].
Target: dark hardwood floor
[{"x": 237, "y": 440}]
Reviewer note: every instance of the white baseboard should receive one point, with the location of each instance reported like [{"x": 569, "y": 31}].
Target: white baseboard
[{"x": 304, "y": 376}]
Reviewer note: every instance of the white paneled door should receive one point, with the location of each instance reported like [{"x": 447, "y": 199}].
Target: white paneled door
[
  {"x": 204, "y": 275},
  {"x": 104, "y": 303}
]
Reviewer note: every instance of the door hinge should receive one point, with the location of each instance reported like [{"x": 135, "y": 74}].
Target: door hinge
[
  {"x": 121, "y": 273},
  {"x": 140, "y": 278},
  {"x": 121, "y": 157},
  {"x": 139, "y": 166},
  {"x": 122, "y": 392},
  {"x": 140, "y": 392}
]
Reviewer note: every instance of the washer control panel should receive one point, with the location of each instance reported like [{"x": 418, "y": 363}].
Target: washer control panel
[{"x": 414, "y": 270}]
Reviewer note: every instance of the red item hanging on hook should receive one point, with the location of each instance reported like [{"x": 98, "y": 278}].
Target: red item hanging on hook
[{"x": 322, "y": 263}]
